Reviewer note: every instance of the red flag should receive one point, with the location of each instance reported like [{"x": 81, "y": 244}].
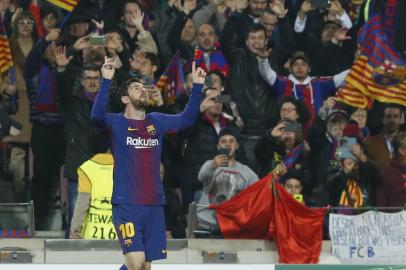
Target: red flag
[
  {"x": 265, "y": 210},
  {"x": 298, "y": 231},
  {"x": 247, "y": 215}
]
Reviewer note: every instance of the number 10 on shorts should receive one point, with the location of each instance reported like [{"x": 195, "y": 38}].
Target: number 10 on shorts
[{"x": 127, "y": 230}]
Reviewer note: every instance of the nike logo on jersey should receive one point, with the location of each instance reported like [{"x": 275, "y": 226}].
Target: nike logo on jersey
[
  {"x": 132, "y": 129},
  {"x": 164, "y": 251}
]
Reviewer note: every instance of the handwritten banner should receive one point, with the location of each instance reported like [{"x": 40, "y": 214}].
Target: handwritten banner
[{"x": 371, "y": 237}]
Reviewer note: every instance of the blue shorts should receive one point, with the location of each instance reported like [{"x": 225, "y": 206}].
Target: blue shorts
[{"x": 141, "y": 228}]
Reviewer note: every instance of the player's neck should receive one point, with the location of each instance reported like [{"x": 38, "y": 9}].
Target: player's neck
[{"x": 133, "y": 113}]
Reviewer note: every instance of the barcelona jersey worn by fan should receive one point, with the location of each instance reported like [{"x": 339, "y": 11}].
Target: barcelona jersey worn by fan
[{"x": 137, "y": 147}]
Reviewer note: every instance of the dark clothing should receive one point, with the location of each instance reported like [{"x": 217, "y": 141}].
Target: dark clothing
[
  {"x": 79, "y": 127},
  {"x": 367, "y": 178},
  {"x": 47, "y": 138},
  {"x": 40, "y": 78},
  {"x": 48, "y": 148},
  {"x": 174, "y": 37},
  {"x": 235, "y": 32},
  {"x": 322, "y": 159},
  {"x": 174, "y": 219},
  {"x": 101, "y": 10},
  {"x": 335, "y": 58},
  {"x": 283, "y": 50},
  {"x": 256, "y": 103},
  {"x": 131, "y": 42},
  {"x": 265, "y": 151},
  {"x": 391, "y": 190}
]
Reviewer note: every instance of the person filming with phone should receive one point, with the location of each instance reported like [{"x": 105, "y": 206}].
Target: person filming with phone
[
  {"x": 223, "y": 177},
  {"x": 199, "y": 142},
  {"x": 354, "y": 183},
  {"x": 281, "y": 148}
]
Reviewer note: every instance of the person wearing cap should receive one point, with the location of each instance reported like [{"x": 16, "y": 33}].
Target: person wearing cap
[
  {"x": 380, "y": 146},
  {"x": 223, "y": 177},
  {"x": 354, "y": 184},
  {"x": 313, "y": 91},
  {"x": 198, "y": 143}
]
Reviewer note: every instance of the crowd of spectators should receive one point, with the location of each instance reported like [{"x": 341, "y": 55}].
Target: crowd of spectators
[{"x": 269, "y": 104}]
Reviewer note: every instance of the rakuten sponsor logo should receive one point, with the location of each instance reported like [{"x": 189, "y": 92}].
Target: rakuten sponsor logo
[{"x": 140, "y": 143}]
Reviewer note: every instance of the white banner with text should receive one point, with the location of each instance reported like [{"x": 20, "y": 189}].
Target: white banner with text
[{"x": 371, "y": 237}]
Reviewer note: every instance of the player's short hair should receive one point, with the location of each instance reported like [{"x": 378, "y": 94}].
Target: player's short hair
[{"x": 123, "y": 90}]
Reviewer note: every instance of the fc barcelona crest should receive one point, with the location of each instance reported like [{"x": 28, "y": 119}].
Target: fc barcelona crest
[{"x": 151, "y": 130}]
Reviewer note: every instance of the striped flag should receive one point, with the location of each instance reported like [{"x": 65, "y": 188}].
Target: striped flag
[
  {"x": 379, "y": 72},
  {"x": 290, "y": 159},
  {"x": 354, "y": 192},
  {"x": 68, "y": 5},
  {"x": 6, "y": 60},
  {"x": 171, "y": 81}
]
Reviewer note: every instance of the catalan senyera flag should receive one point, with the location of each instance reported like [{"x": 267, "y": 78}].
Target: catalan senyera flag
[
  {"x": 68, "y": 5},
  {"x": 379, "y": 73},
  {"x": 6, "y": 60},
  {"x": 172, "y": 80}
]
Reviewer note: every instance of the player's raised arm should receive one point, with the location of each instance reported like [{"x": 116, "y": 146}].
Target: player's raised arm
[
  {"x": 191, "y": 111},
  {"x": 99, "y": 109}
]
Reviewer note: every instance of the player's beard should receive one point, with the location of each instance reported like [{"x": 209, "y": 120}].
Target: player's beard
[{"x": 140, "y": 105}]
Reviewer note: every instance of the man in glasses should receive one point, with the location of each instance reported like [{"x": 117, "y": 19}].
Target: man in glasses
[{"x": 77, "y": 95}]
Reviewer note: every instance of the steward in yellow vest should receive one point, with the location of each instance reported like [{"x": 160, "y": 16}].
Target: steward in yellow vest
[{"x": 92, "y": 218}]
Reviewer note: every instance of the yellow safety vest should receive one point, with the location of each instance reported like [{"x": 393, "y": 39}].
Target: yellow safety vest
[{"x": 98, "y": 223}]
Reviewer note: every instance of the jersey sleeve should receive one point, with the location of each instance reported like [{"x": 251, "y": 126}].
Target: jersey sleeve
[
  {"x": 187, "y": 117},
  {"x": 99, "y": 110}
]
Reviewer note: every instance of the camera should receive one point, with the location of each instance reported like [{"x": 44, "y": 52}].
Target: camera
[
  {"x": 223, "y": 98},
  {"x": 293, "y": 127},
  {"x": 343, "y": 150},
  {"x": 224, "y": 151},
  {"x": 97, "y": 40}
]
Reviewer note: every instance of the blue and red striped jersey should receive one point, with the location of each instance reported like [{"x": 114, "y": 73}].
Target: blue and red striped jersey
[
  {"x": 137, "y": 146},
  {"x": 312, "y": 94}
]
